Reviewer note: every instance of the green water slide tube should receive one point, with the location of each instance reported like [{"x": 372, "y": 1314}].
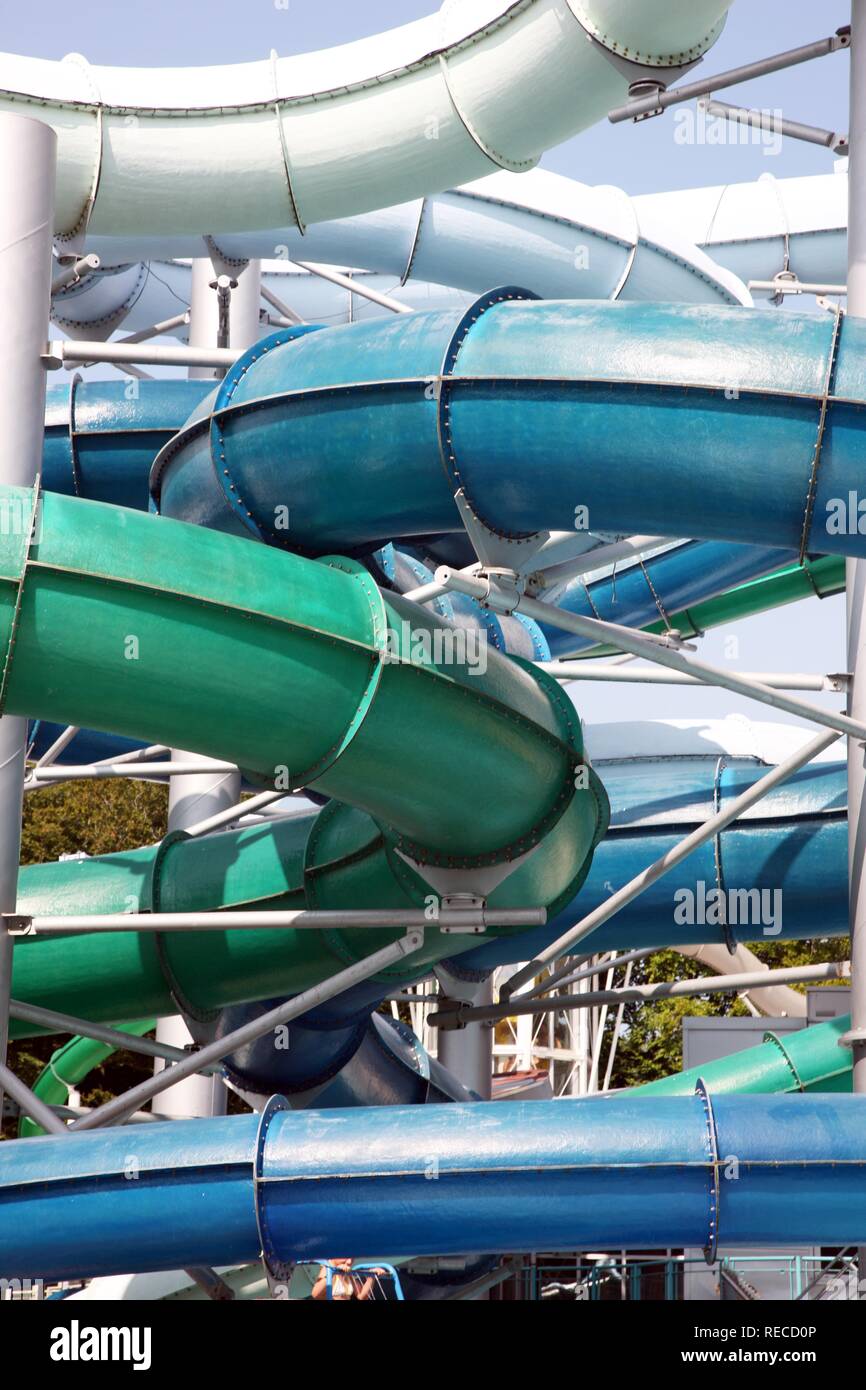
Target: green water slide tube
[
  {"x": 68, "y": 1066},
  {"x": 294, "y": 669},
  {"x": 815, "y": 578},
  {"x": 813, "y": 1059}
]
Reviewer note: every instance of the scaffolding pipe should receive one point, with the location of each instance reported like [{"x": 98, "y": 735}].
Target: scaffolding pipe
[
  {"x": 644, "y": 645},
  {"x": 28, "y": 157},
  {"x": 463, "y": 1014},
  {"x": 639, "y": 675},
  {"x": 639, "y": 884},
  {"x": 121, "y": 1106}
]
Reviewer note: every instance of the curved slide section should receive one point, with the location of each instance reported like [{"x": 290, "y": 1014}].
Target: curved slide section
[
  {"x": 642, "y": 419},
  {"x": 67, "y": 1068},
  {"x": 794, "y": 845},
  {"x": 481, "y": 85},
  {"x": 814, "y": 1059},
  {"x": 151, "y": 637},
  {"x": 560, "y": 238},
  {"x": 628, "y": 1172}
]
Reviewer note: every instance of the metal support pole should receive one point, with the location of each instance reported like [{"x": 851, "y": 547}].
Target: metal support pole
[
  {"x": 30, "y": 1103},
  {"x": 855, "y": 575},
  {"x": 644, "y": 645},
  {"x": 82, "y": 1027},
  {"x": 639, "y": 884},
  {"x": 660, "y": 101},
  {"x": 465, "y": 1014},
  {"x": 61, "y": 352},
  {"x": 121, "y": 1106},
  {"x": 354, "y": 287},
  {"x": 28, "y": 156},
  {"x": 230, "y": 317},
  {"x": 640, "y": 675},
  {"x": 778, "y": 125},
  {"x": 468, "y": 1052}
]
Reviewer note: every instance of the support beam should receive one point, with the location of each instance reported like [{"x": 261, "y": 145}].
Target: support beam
[
  {"x": 26, "y": 1100},
  {"x": 114, "y": 1110},
  {"x": 28, "y": 157},
  {"x": 55, "y": 1022},
  {"x": 644, "y": 645},
  {"x": 640, "y": 675},
  {"x": 639, "y": 884},
  {"x": 448, "y": 919},
  {"x": 355, "y": 287},
  {"x": 776, "y": 124},
  {"x": 62, "y": 353},
  {"x": 660, "y": 101},
  {"x": 464, "y": 1014}
]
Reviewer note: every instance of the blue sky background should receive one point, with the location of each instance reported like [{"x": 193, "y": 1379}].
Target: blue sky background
[{"x": 643, "y": 158}]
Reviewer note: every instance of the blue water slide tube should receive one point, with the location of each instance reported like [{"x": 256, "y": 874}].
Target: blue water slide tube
[
  {"x": 666, "y": 420},
  {"x": 630, "y": 1172}
]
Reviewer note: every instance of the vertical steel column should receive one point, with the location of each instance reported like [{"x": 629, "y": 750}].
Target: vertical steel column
[
  {"x": 468, "y": 1052},
  {"x": 192, "y": 799},
  {"x": 855, "y": 572},
  {"x": 28, "y": 157}
]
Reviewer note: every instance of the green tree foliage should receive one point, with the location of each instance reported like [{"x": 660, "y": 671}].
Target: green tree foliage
[{"x": 96, "y": 818}]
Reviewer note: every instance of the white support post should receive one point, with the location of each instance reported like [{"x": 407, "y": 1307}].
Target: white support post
[
  {"x": 28, "y": 157},
  {"x": 192, "y": 800}
]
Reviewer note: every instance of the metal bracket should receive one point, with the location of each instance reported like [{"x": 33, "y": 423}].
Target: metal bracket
[
  {"x": 643, "y": 80},
  {"x": 469, "y": 886},
  {"x": 16, "y": 924},
  {"x": 492, "y": 550},
  {"x": 853, "y": 1037}
]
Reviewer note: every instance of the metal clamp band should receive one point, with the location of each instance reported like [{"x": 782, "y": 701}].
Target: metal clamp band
[
  {"x": 284, "y": 149},
  {"x": 715, "y": 1192},
  {"x": 444, "y": 425},
  {"x": 413, "y": 250},
  {"x": 730, "y": 938},
  {"x": 281, "y": 1270},
  {"x": 774, "y": 1038},
  {"x": 73, "y": 437},
  {"x": 79, "y": 231},
  {"x": 822, "y": 425},
  {"x": 223, "y": 400},
  {"x": 515, "y": 166}
]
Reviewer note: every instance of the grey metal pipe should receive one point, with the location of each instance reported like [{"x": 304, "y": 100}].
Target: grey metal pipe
[
  {"x": 646, "y": 994},
  {"x": 32, "y": 1106},
  {"x": 460, "y": 919},
  {"x": 28, "y": 158},
  {"x": 347, "y": 283},
  {"x": 117, "y": 1109},
  {"x": 792, "y": 57},
  {"x": 643, "y": 645},
  {"x": 779, "y": 125},
  {"x": 61, "y": 352},
  {"x": 637, "y": 675},
  {"x": 56, "y": 1022},
  {"x": 700, "y": 836}
]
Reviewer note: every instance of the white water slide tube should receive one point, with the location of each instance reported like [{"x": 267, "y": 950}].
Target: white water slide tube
[{"x": 481, "y": 85}]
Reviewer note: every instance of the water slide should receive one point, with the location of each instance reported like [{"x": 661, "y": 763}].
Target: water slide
[{"x": 359, "y": 724}]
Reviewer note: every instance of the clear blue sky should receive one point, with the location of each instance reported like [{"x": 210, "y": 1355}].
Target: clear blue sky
[{"x": 644, "y": 158}]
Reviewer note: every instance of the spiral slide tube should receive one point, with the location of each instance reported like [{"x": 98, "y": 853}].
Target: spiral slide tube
[
  {"x": 164, "y": 655},
  {"x": 587, "y": 1175},
  {"x": 663, "y": 420},
  {"x": 68, "y": 1066},
  {"x": 560, "y": 238},
  {"x": 292, "y": 141},
  {"x": 794, "y": 843}
]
